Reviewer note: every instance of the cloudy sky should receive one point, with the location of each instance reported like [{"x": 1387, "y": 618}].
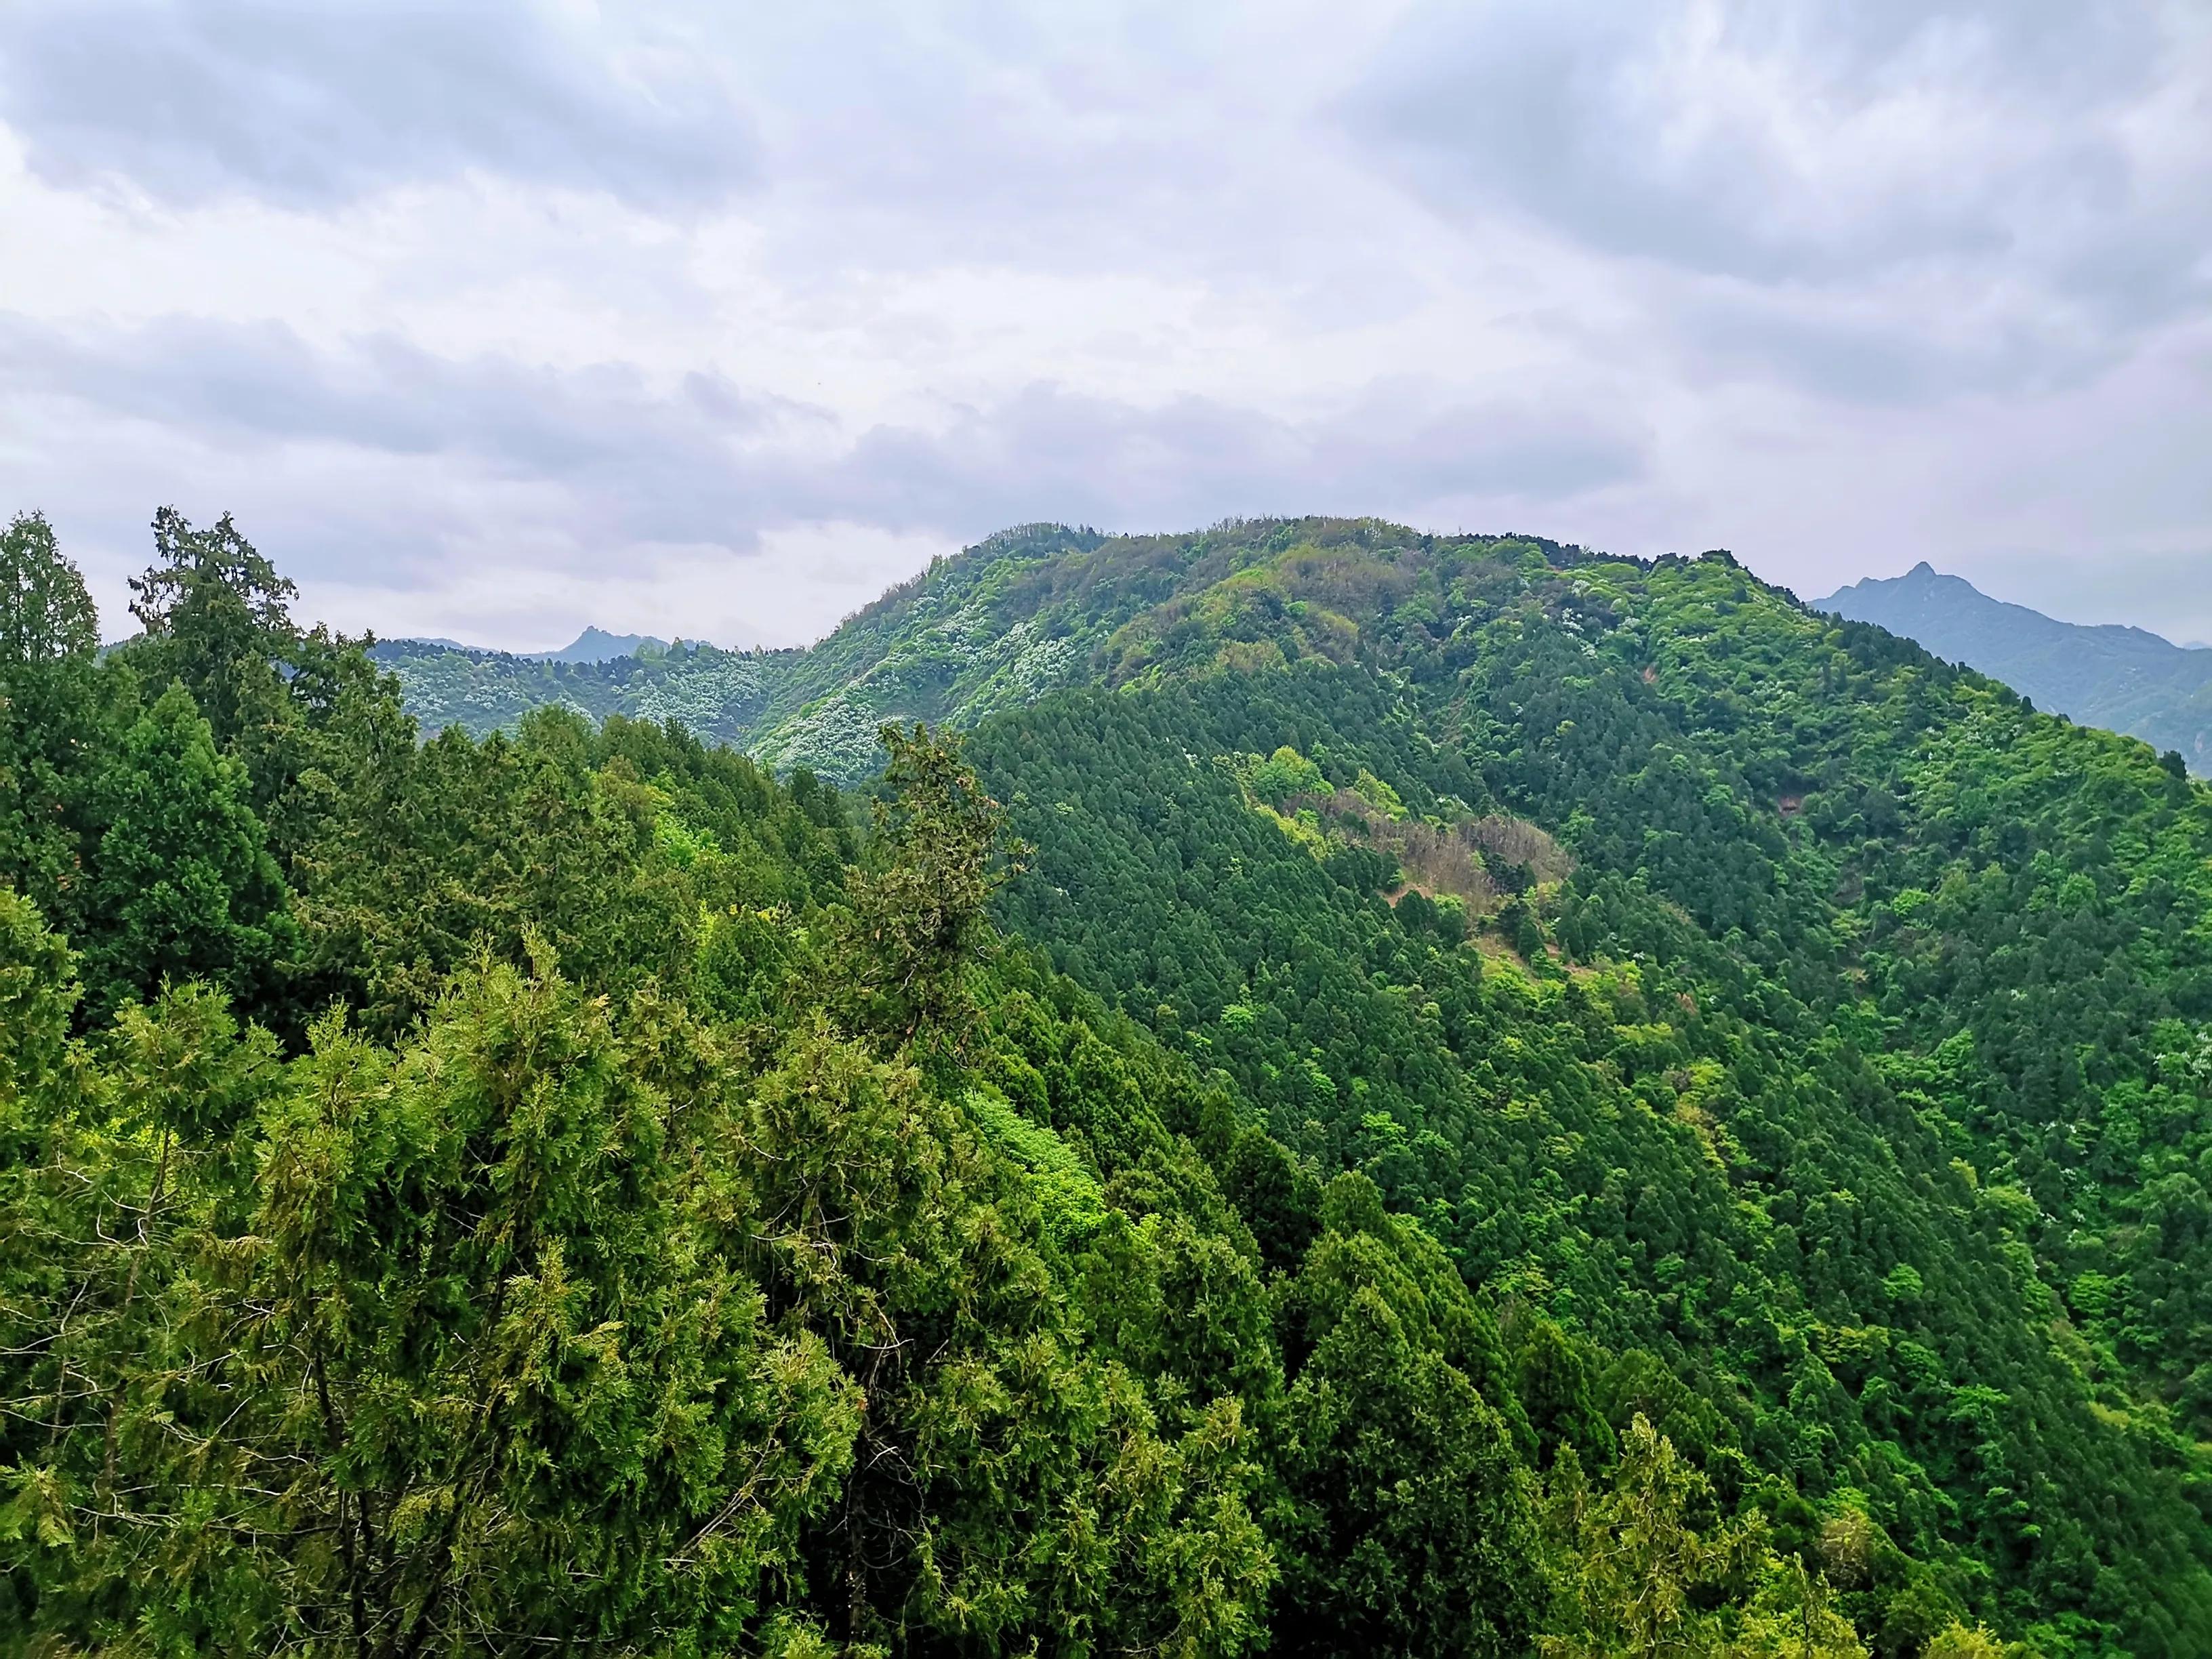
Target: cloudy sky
[{"x": 489, "y": 317}]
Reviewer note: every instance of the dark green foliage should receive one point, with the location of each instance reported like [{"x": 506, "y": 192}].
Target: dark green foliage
[
  {"x": 1409, "y": 1527},
  {"x": 46, "y": 614},
  {"x": 1525, "y": 1100},
  {"x": 574, "y": 1319},
  {"x": 214, "y": 619},
  {"x": 50, "y": 721},
  {"x": 185, "y": 886}
]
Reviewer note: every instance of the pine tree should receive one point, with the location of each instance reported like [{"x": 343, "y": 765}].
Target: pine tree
[{"x": 184, "y": 886}]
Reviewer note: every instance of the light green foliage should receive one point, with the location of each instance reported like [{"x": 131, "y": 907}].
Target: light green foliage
[
  {"x": 1067, "y": 1190},
  {"x": 1964, "y": 1641},
  {"x": 442, "y": 1357},
  {"x": 1284, "y": 774},
  {"x": 1651, "y": 1571},
  {"x": 1641, "y": 1560},
  {"x": 1378, "y": 794}
]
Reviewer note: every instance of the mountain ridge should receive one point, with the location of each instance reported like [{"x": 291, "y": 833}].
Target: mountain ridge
[
  {"x": 593, "y": 645},
  {"x": 1477, "y": 1033},
  {"x": 2124, "y": 678}
]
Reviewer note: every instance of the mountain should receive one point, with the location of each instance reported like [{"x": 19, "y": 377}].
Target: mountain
[
  {"x": 717, "y": 694},
  {"x": 2124, "y": 679},
  {"x": 1875, "y": 902},
  {"x": 595, "y": 645},
  {"x": 1382, "y": 1067}
]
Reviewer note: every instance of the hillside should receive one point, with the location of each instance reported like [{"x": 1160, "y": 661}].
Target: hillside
[
  {"x": 2124, "y": 679},
  {"x": 1865, "y": 977},
  {"x": 720, "y": 694},
  {"x": 1407, "y": 1061},
  {"x": 968, "y": 636}
]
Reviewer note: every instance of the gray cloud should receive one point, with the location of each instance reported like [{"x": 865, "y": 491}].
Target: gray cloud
[
  {"x": 1861, "y": 354},
  {"x": 309, "y": 104},
  {"x": 1048, "y": 453},
  {"x": 1981, "y": 183},
  {"x": 706, "y": 462},
  {"x": 569, "y": 304},
  {"x": 1758, "y": 151}
]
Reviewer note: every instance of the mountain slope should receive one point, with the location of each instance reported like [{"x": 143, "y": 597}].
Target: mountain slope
[
  {"x": 2124, "y": 679},
  {"x": 717, "y": 694},
  {"x": 1782, "y": 1010},
  {"x": 1858, "y": 1070},
  {"x": 1855, "y": 1073},
  {"x": 1491, "y": 1045},
  {"x": 968, "y": 636}
]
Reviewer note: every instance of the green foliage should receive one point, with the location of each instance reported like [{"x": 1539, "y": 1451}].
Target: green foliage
[
  {"x": 1287, "y": 773},
  {"x": 720, "y": 694},
  {"x": 656, "y": 1262},
  {"x": 1710, "y": 1031},
  {"x": 917, "y": 916},
  {"x": 1650, "y": 1569},
  {"x": 423, "y": 1372},
  {"x": 186, "y": 888},
  {"x": 46, "y": 614},
  {"x": 1649, "y": 1122},
  {"x": 50, "y": 722},
  {"x": 1410, "y": 1528},
  {"x": 563, "y": 1320},
  {"x": 214, "y": 615},
  {"x": 38, "y": 999}
]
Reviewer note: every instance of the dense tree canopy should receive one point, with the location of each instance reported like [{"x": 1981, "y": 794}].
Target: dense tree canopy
[{"x": 1400, "y": 1095}]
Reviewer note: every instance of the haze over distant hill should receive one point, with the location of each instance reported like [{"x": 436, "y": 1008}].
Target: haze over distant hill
[
  {"x": 2124, "y": 679},
  {"x": 597, "y": 645},
  {"x": 592, "y": 645}
]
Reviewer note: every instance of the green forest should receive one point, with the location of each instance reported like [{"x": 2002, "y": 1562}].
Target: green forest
[{"x": 1304, "y": 1089}]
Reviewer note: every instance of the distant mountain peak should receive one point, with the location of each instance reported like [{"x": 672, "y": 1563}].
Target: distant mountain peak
[
  {"x": 2125, "y": 679},
  {"x": 595, "y": 644}
]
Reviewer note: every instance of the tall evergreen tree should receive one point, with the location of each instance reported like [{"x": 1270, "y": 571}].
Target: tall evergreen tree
[{"x": 185, "y": 887}]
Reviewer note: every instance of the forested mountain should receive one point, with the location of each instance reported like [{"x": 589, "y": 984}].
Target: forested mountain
[
  {"x": 720, "y": 695},
  {"x": 1408, "y": 1094},
  {"x": 950, "y": 644},
  {"x": 593, "y": 645},
  {"x": 2121, "y": 678},
  {"x": 597, "y": 645}
]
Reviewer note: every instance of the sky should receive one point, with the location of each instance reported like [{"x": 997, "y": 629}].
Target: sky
[{"x": 489, "y": 319}]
